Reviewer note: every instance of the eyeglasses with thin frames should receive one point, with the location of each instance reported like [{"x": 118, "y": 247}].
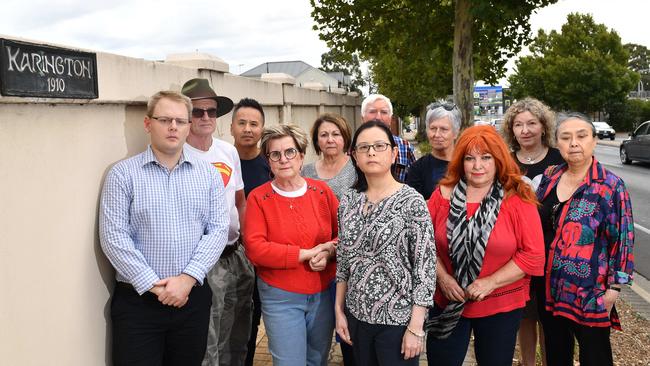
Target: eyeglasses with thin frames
[
  {"x": 289, "y": 153},
  {"x": 167, "y": 121},
  {"x": 377, "y": 146}
]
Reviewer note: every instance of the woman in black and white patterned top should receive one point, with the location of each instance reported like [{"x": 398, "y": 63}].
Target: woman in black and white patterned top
[{"x": 385, "y": 258}]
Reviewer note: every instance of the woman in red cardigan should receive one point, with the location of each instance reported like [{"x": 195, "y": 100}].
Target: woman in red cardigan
[
  {"x": 290, "y": 236},
  {"x": 489, "y": 241}
]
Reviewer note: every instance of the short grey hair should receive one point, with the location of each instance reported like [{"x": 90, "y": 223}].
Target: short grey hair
[
  {"x": 440, "y": 112},
  {"x": 277, "y": 132},
  {"x": 565, "y": 116},
  {"x": 373, "y": 98}
]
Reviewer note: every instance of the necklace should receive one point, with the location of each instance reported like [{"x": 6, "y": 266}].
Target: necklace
[
  {"x": 532, "y": 159},
  {"x": 371, "y": 205}
]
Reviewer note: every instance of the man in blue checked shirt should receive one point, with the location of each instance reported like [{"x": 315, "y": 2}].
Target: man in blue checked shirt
[
  {"x": 163, "y": 225},
  {"x": 379, "y": 107}
]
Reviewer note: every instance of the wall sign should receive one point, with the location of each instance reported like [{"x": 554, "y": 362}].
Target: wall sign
[{"x": 33, "y": 70}]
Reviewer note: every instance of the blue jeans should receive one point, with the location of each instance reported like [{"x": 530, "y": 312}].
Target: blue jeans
[
  {"x": 299, "y": 326},
  {"x": 494, "y": 340}
]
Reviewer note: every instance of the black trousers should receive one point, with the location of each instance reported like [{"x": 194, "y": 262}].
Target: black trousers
[
  {"x": 560, "y": 334},
  {"x": 494, "y": 340},
  {"x": 376, "y": 344},
  {"x": 148, "y": 333}
]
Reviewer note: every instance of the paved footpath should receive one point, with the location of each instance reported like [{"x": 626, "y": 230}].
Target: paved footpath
[{"x": 263, "y": 357}]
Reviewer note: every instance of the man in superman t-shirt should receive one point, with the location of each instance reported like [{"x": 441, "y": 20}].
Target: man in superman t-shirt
[{"x": 232, "y": 278}]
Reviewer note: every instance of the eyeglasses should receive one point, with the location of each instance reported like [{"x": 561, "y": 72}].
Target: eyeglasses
[
  {"x": 167, "y": 121},
  {"x": 446, "y": 106},
  {"x": 199, "y": 112},
  {"x": 555, "y": 210},
  {"x": 289, "y": 153},
  {"x": 377, "y": 146}
]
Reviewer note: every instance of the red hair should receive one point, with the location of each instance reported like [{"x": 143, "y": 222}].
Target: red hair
[{"x": 485, "y": 139}]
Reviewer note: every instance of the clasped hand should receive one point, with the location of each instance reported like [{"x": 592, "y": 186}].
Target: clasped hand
[
  {"x": 174, "y": 291},
  {"x": 319, "y": 255},
  {"x": 476, "y": 291}
]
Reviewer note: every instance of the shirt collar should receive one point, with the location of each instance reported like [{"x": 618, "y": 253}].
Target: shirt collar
[
  {"x": 148, "y": 157},
  {"x": 596, "y": 173}
]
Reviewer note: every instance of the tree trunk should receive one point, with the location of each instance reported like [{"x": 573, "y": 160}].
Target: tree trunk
[{"x": 463, "y": 65}]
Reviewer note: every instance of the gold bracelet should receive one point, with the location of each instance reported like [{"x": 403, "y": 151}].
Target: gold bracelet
[{"x": 415, "y": 334}]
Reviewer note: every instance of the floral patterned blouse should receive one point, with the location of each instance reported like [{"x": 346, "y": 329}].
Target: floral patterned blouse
[
  {"x": 592, "y": 247},
  {"x": 386, "y": 255}
]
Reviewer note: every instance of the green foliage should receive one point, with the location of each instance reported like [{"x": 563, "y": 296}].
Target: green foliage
[
  {"x": 639, "y": 61},
  {"x": 410, "y": 43},
  {"x": 424, "y": 147},
  {"x": 348, "y": 63},
  {"x": 628, "y": 115},
  {"x": 583, "y": 68}
]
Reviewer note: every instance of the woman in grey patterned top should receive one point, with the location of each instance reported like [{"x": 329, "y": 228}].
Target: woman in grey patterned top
[
  {"x": 330, "y": 136},
  {"x": 386, "y": 257}
]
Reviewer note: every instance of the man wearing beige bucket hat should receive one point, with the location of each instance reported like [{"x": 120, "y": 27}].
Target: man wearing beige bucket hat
[{"x": 232, "y": 278}]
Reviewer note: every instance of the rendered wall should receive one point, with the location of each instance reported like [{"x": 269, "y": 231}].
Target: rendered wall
[{"x": 55, "y": 298}]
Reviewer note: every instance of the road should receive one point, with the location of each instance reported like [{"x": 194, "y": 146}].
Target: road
[{"x": 637, "y": 181}]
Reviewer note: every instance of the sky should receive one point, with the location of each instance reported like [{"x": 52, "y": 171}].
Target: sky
[{"x": 244, "y": 33}]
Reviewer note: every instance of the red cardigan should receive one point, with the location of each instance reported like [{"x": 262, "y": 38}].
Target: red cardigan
[
  {"x": 516, "y": 235},
  {"x": 278, "y": 227}
]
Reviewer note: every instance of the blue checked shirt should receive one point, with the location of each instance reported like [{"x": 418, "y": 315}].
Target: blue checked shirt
[
  {"x": 405, "y": 157},
  {"x": 155, "y": 223}
]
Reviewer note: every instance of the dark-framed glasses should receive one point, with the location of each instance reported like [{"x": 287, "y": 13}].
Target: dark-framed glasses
[
  {"x": 377, "y": 146},
  {"x": 167, "y": 121},
  {"x": 446, "y": 106},
  {"x": 289, "y": 153},
  {"x": 199, "y": 112}
]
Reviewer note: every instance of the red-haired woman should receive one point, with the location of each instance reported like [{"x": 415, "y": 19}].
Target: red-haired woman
[{"x": 489, "y": 241}]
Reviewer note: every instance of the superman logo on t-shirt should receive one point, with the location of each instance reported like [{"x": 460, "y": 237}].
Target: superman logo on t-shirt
[{"x": 225, "y": 171}]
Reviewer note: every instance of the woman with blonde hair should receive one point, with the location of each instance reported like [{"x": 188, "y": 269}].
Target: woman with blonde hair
[
  {"x": 529, "y": 128},
  {"x": 290, "y": 221}
]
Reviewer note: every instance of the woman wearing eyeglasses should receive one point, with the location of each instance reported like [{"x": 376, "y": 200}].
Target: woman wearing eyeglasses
[
  {"x": 288, "y": 222},
  {"x": 385, "y": 257},
  {"x": 443, "y": 125},
  {"x": 529, "y": 130},
  {"x": 489, "y": 241},
  {"x": 589, "y": 235}
]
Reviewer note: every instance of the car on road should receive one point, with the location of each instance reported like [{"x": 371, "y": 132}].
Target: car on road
[
  {"x": 637, "y": 146},
  {"x": 603, "y": 130},
  {"x": 480, "y": 122}
]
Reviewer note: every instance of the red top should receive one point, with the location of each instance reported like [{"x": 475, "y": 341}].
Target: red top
[
  {"x": 277, "y": 227},
  {"x": 516, "y": 235}
]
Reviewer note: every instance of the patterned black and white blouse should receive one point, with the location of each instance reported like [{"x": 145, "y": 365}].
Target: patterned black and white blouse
[{"x": 387, "y": 256}]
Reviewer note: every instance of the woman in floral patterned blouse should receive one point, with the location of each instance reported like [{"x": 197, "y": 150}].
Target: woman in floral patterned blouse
[
  {"x": 385, "y": 257},
  {"x": 589, "y": 235}
]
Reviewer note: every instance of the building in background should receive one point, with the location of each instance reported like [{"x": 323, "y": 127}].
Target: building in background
[{"x": 305, "y": 75}]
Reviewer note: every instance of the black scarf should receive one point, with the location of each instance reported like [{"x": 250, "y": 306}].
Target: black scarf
[{"x": 467, "y": 242}]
